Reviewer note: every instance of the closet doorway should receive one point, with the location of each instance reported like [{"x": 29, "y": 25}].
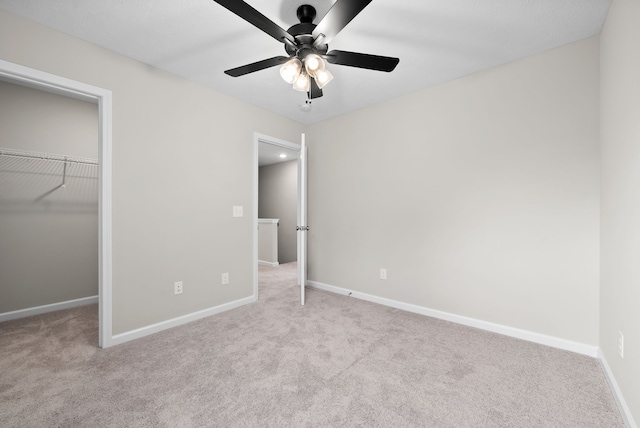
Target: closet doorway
[{"x": 56, "y": 190}]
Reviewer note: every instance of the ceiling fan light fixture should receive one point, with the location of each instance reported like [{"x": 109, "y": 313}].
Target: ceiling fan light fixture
[
  {"x": 291, "y": 70},
  {"x": 323, "y": 77},
  {"x": 302, "y": 83},
  {"x": 313, "y": 64}
]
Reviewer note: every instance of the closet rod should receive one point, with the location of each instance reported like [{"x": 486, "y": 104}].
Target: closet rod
[{"x": 47, "y": 156}]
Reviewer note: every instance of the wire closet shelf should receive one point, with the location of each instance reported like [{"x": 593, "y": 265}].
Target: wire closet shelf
[
  {"x": 47, "y": 177},
  {"x": 46, "y": 156}
]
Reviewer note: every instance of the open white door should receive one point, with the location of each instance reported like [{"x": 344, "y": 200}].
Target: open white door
[{"x": 302, "y": 219}]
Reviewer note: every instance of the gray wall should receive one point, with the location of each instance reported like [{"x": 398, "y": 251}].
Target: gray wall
[
  {"x": 277, "y": 198},
  {"x": 173, "y": 190},
  {"x": 620, "y": 133},
  {"x": 48, "y": 250},
  {"x": 480, "y": 196}
]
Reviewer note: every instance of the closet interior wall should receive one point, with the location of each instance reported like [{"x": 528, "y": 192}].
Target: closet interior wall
[{"x": 48, "y": 198}]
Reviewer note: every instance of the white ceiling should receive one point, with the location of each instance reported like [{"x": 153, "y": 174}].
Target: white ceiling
[
  {"x": 436, "y": 41},
  {"x": 269, "y": 154}
]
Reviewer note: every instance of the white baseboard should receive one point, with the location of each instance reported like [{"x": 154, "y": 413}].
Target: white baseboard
[
  {"x": 617, "y": 393},
  {"x": 174, "y": 322},
  {"x": 530, "y": 336},
  {"x": 28, "y": 312},
  {"x": 272, "y": 264}
]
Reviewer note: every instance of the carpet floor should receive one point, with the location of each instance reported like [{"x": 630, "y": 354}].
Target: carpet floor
[{"x": 335, "y": 362}]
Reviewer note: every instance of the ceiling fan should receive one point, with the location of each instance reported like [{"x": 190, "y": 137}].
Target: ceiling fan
[{"x": 306, "y": 44}]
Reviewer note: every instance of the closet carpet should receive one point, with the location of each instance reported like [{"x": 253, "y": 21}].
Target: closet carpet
[{"x": 335, "y": 362}]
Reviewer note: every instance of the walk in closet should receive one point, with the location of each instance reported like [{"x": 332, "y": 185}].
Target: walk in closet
[{"x": 48, "y": 200}]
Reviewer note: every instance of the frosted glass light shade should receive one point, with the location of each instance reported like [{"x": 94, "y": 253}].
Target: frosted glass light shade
[
  {"x": 323, "y": 77},
  {"x": 313, "y": 64},
  {"x": 291, "y": 70},
  {"x": 302, "y": 83}
]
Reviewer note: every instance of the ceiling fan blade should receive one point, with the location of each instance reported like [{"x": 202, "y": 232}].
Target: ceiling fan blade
[
  {"x": 340, "y": 14},
  {"x": 252, "y": 16},
  {"x": 360, "y": 60},
  {"x": 256, "y": 66},
  {"x": 314, "y": 92}
]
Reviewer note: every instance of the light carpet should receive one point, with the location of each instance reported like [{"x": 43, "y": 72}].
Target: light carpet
[{"x": 335, "y": 362}]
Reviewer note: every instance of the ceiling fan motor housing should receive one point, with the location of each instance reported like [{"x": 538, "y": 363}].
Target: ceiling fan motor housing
[{"x": 302, "y": 33}]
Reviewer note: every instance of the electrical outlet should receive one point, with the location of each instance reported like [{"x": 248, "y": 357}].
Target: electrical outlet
[
  {"x": 225, "y": 278},
  {"x": 177, "y": 287},
  {"x": 238, "y": 211},
  {"x": 620, "y": 344},
  {"x": 383, "y": 273}
]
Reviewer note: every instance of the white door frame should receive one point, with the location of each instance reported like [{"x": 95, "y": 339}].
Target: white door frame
[
  {"x": 257, "y": 139},
  {"x": 302, "y": 219},
  {"x": 37, "y": 79}
]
